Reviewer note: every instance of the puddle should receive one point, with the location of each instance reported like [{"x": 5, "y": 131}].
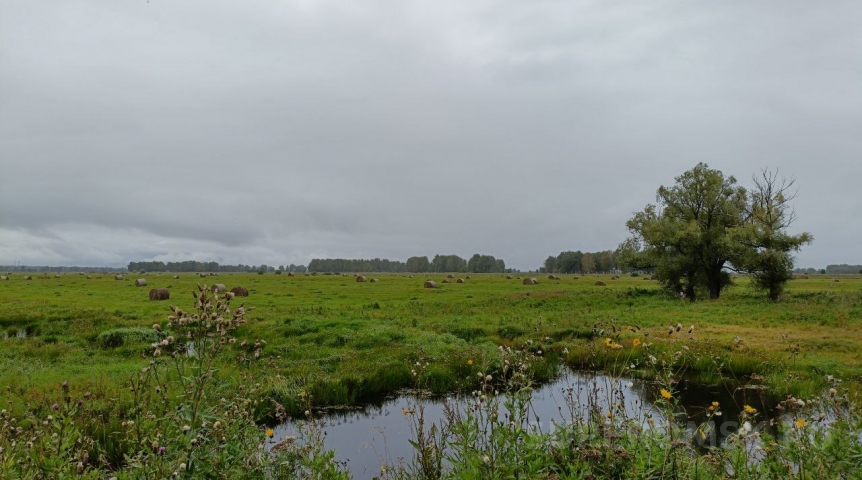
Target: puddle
[{"x": 365, "y": 438}]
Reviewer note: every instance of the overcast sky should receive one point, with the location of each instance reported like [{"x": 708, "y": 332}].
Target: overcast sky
[{"x": 277, "y": 131}]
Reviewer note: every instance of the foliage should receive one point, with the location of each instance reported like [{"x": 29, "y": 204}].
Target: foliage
[{"x": 705, "y": 224}]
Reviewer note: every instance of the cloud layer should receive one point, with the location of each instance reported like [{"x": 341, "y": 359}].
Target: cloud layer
[{"x": 275, "y": 132}]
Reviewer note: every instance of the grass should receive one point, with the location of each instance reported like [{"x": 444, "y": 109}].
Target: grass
[
  {"x": 342, "y": 339},
  {"x": 345, "y": 342}
]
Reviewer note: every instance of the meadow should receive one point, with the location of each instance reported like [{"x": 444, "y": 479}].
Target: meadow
[{"x": 320, "y": 340}]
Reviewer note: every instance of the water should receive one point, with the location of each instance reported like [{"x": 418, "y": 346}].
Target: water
[{"x": 366, "y": 438}]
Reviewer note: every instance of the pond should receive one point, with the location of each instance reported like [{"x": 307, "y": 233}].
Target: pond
[{"x": 367, "y": 437}]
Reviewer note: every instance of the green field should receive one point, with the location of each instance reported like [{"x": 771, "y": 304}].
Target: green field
[
  {"x": 313, "y": 341},
  {"x": 349, "y": 342}
]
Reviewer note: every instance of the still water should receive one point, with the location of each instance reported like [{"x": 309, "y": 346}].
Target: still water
[{"x": 366, "y": 438}]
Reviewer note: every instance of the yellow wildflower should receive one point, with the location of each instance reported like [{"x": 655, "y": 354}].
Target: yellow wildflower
[
  {"x": 713, "y": 407},
  {"x": 665, "y": 394},
  {"x": 609, "y": 415},
  {"x": 800, "y": 423},
  {"x": 469, "y": 362},
  {"x": 303, "y": 394},
  {"x": 651, "y": 421},
  {"x": 636, "y": 342},
  {"x": 750, "y": 410},
  {"x": 270, "y": 433},
  {"x": 404, "y": 411}
]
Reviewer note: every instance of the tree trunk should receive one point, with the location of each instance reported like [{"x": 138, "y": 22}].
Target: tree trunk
[{"x": 714, "y": 282}]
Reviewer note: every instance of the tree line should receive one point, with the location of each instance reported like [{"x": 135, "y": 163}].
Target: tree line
[
  {"x": 214, "y": 267},
  {"x": 581, "y": 262}
]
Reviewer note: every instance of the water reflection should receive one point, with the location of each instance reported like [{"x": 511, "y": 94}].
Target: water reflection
[{"x": 368, "y": 437}]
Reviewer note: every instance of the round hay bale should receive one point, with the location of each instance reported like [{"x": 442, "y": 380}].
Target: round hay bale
[
  {"x": 600, "y": 283},
  {"x": 460, "y": 280},
  {"x": 239, "y": 291},
  {"x": 530, "y": 281},
  {"x": 508, "y": 277},
  {"x": 89, "y": 277},
  {"x": 4, "y": 277},
  {"x": 160, "y": 294},
  {"x": 574, "y": 278},
  {"x": 202, "y": 275},
  {"x": 447, "y": 280},
  {"x": 176, "y": 277},
  {"x": 467, "y": 277},
  {"x": 219, "y": 287},
  {"x": 553, "y": 277},
  {"x": 450, "y": 276},
  {"x": 141, "y": 282},
  {"x": 430, "y": 284},
  {"x": 56, "y": 275},
  {"x": 645, "y": 278},
  {"x": 290, "y": 274},
  {"x": 360, "y": 278},
  {"x": 835, "y": 280},
  {"x": 28, "y": 277},
  {"x": 118, "y": 277},
  {"x": 375, "y": 280}
]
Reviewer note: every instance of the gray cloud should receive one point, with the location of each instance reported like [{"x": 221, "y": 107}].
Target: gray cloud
[{"x": 278, "y": 131}]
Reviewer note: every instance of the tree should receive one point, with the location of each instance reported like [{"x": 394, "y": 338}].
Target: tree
[
  {"x": 418, "y": 264},
  {"x": 569, "y": 262},
  {"x": 550, "y": 264},
  {"x": 588, "y": 263},
  {"x": 764, "y": 244},
  {"x": 706, "y": 224},
  {"x": 686, "y": 236}
]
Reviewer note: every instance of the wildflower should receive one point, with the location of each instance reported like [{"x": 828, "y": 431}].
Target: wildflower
[
  {"x": 713, "y": 407},
  {"x": 488, "y": 378},
  {"x": 651, "y": 422},
  {"x": 404, "y": 411},
  {"x": 832, "y": 392},
  {"x": 469, "y": 362},
  {"x": 270, "y": 433},
  {"x": 157, "y": 327},
  {"x": 486, "y": 458},
  {"x": 162, "y": 450},
  {"x": 665, "y": 394},
  {"x": 303, "y": 394},
  {"x": 609, "y": 415},
  {"x": 65, "y": 384},
  {"x": 746, "y": 427},
  {"x": 750, "y": 410},
  {"x": 186, "y": 428},
  {"x": 800, "y": 422},
  {"x": 55, "y": 406},
  {"x": 636, "y": 342}
]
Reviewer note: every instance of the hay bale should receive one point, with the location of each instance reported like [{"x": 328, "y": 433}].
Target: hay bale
[
  {"x": 239, "y": 291},
  {"x": 530, "y": 281},
  {"x": 508, "y": 277},
  {"x": 89, "y": 277},
  {"x": 56, "y": 275},
  {"x": 447, "y": 280},
  {"x": 574, "y": 278},
  {"x": 460, "y": 280},
  {"x": 360, "y": 278},
  {"x": 553, "y": 277},
  {"x": 28, "y": 277},
  {"x": 600, "y": 283},
  {"x": 450, "y": 276},
  {"x": 176, "y": 277},
  {"x": 118, "y": 277},
  {"x": 219, "y": 287},
  {"x": 141, "y": 282},
  {"x": 375, "y": 280},
  {"x": 835, "y": 280},
  {"x": 430, "y": 284},
  {"x": 4, "y": 277},
  {"x": 467, "y": 277},
  {"x": 160, "y": 294},
  {"x": 290, "y": 274}
]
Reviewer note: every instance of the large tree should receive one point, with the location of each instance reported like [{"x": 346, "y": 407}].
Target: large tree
[
  {"x": 706, "y": 224},
  {"x": 686, "y": 236}
]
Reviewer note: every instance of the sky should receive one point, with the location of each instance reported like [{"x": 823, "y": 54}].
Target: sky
[{"x": 277, "y": 131}]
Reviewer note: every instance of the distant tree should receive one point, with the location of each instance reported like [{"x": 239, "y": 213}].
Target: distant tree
[
  {"x": 569, "y": 262},
  {"x": 550, "y": 264},
  {"x": 588, "y": 264},
  {"x": 418, "y": 264}
]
